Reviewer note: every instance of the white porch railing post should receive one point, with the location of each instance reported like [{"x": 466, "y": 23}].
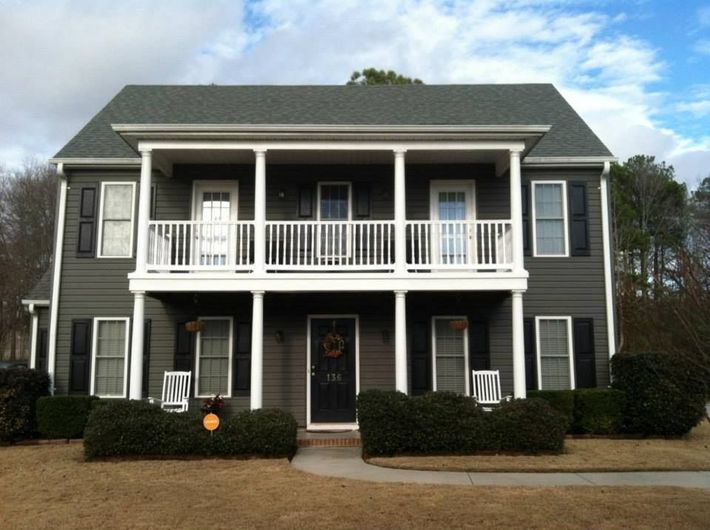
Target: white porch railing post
[
  {"x": 143, "y": 211},
  {"x": 516, "y": 211},
  {"x": 519, "y": 385},
  {"x": 260, "y": 211},
  {"x": 400, "y": 213},
  {"x": 257, "y": 350},
  {"x": 400, "y": 341},
  {"x": 135, "y": 383}
]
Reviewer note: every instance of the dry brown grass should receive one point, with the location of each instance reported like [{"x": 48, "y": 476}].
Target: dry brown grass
[
  {"x": 690, "y": 454},
  {"x": 52, "y": 487}
]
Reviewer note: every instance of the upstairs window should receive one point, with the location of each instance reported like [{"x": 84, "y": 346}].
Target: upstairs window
[
  {"x": 116, "y": 212},
  {"x": 549, "y": 219}
]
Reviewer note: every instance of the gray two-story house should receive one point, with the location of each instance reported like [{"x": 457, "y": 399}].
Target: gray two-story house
[{"x": 291, "y": 246}]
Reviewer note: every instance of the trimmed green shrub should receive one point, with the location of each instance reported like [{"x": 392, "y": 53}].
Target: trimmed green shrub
[
  {"x": 447, "y": 423},
  {"x": 136, "y": 428},
  {"x": 665, "y": 395},
  {"x": 63, "y": 416},
  {"x": 598, "y": 411},
  {"x": 528, "y": 426},
  {"x": 19, "y": 390},
  {"x": 560, "y": 400}
]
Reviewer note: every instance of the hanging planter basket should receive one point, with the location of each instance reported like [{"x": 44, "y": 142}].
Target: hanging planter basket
[
  {"x": 458, "y": 325},
  {"x": 194, "y": 326}
]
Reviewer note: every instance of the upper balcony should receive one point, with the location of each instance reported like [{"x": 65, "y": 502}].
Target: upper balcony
[{"x": 445, "y": 216}]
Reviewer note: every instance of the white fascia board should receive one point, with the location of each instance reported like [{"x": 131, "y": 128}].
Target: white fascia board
[
  {"x": 552, "y": 161},
  {"x": 79, "y": 162},
  {"x": 35, "y": 302}
]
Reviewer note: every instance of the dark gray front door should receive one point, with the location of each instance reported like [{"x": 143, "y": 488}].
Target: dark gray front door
[{"x": 333, "y": 346}]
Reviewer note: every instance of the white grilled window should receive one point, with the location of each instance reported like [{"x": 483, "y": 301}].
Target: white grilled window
[
  {"x": 554, "y": 349},
  {"x": 450, "y": 356},
  {"x": 214, "y": 357},
  {"x": 110, "y": 357},
  {"x": 116, "y": 229},
  {"x": 549, "y": 216}
]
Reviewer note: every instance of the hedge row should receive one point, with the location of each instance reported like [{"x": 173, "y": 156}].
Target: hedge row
[
  {"x": 63, "y": 416},
  {"x": 19, "y": 390},
  {"x": 587, "y": 410},
  {"x": 444, "y": 422},
  {"x": 665, "y": 394},
  {"x": 135, "y": 428}
]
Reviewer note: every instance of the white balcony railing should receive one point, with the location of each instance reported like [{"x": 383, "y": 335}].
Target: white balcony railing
[
  {"x": 329, "y": 245},
  {"x": 200, "y": 245},
  {"x": 460, "y": 245}
]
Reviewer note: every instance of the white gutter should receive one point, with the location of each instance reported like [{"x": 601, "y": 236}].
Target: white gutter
[
  {"x": 608, "y": 263},
  {"x": 56, "y": 275},
  {"x": 552, "y": 161}
]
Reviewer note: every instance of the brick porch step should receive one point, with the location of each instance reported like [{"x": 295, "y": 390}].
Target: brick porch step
[{"x": 328, "y": 439}]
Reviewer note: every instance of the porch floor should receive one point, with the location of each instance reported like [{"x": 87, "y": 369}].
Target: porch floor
[{"x": 346, "y": 438}]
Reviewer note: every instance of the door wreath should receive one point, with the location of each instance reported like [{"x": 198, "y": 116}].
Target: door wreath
[{"x": 333, "y": 344}]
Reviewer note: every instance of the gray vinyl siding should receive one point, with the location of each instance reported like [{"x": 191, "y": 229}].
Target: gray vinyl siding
[
  {"x": 92, "y": 287},
  {"x": 43, "y": 317}
]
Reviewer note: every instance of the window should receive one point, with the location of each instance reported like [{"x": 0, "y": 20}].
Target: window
[
  {"x": 450, "y": 349},
  {"x": 334, "y": 206},
  {"x": 549, "y": 219},
  {"x": 554, "y": 357},
  {"x": 214, "y": 357},
  {"x": 214, "y": 203},
  {"x": 116, "y": 227},
  {"x": 110, "y": 357}
]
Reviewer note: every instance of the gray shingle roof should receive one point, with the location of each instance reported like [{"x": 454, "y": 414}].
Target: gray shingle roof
[
  {"x": 521, "y": 104},
  {"x": 42, "y": 288}
]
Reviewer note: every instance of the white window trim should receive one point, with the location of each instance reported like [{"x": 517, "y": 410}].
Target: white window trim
[
  {"x": 565, "y": 219},
  {"x": 94, "y": 340},
  {"x": 335, "y": 183},
  {"x": 231, "y": 186},
  {"x": 467, "y": 375},
  {"x": 570, "y": 348},
  {"x": 229, "y": 365},
  {"x": 99, "y": 253}
]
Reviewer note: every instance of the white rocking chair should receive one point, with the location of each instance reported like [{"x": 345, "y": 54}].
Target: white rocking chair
[
  {"x": 176, "y": 392},
  {"x": 486, "y": 388}
]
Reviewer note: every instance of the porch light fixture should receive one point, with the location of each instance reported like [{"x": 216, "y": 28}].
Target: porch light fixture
[{"x": 279, "y": 336}]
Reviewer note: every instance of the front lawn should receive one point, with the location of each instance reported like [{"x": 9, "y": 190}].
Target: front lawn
[
  {"x": 53, "y": 487},
  {"x": 691, "y": 454}
]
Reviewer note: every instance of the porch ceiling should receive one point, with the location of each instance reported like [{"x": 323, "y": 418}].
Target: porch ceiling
[{"x": 328, "y": 157}]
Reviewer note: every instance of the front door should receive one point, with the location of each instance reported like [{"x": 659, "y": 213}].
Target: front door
[
  {"x": 215, "y": 205},
  {"x": 452, "y": 209},
  {"x": 333, "y": 346}
]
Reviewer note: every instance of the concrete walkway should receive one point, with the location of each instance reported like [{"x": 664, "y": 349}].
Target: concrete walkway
[{"x": 345, "y": 462}]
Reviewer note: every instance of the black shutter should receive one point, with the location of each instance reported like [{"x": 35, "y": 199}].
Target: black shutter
[
  {"x": 80, "y": 356},
  {"x": 478, "y": 344},
  {"x": 585, "y": 371},
  {"x": 153, "y": 200},
  {"x": 362, "y": 200},
  {"x": 241, "y": 379},
  {"x": 530, "y": 354},
  {"x": 184, "y": 349},
  {"x": 42, "y": 348},
  {"x": 525, "y": 196},
  {"x": 421, "y": 378},
  {"x": 578, "y": 219},
  {"x": 86, "y": 243},
  {"x": 146, "y": 356},
  {"x": 305, "y": 201}
]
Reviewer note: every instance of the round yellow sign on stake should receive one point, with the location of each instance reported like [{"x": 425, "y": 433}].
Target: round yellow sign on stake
[{"x": 210, "y": 422}]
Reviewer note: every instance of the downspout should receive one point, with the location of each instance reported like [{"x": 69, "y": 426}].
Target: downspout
[
  {"x": 56, "y": 275},
  {"x": 33, "y": 335},
  {"x": 608, "y": 263}
]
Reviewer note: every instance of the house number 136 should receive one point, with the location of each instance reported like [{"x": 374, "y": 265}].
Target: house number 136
[{"x": 333, "y": 377}]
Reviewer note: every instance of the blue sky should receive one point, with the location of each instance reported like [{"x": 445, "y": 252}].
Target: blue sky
[{"x": 637, "y": 71}]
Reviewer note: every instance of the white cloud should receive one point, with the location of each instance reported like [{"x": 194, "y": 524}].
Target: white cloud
[{"x": 62, "y": 61}]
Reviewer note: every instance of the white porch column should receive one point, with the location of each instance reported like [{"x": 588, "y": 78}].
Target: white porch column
[
  {"x": 400, "y": 341},
  {"x": 400, "y": 213},
  {"x": 257, "y": 349},
  {"x": 516, "y": 211},
  {"x": 518, "y": 346},
  {"x": 33, "y": 336},
  {"x": 260, "y": 211},
  {"x": 143, "y": 211},
  {"x": 135, "y": 383}
]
